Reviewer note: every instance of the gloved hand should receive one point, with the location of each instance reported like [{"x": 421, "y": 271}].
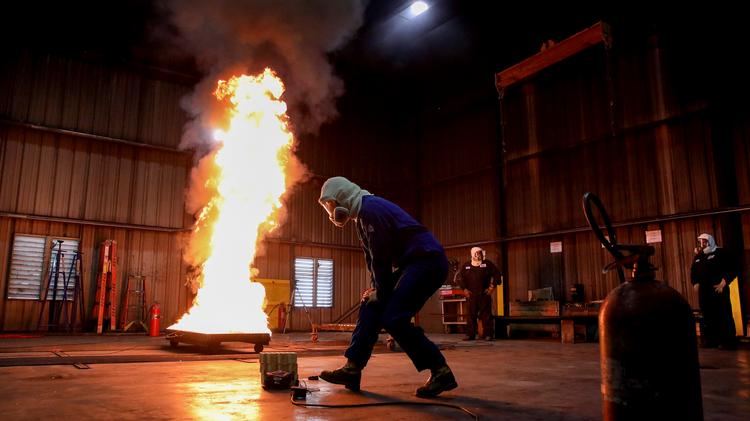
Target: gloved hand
[
  {"x": 369, "y": 295},
  {"x": 720, "y": 286}
]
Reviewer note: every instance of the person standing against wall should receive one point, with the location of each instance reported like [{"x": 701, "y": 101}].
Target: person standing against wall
[
  {"x": 711, "y": 272},
  {"x": 478, "y": 277}
]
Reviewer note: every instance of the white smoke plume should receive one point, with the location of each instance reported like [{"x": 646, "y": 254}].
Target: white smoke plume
[
  {"x": 233, "y": 37},
  {"x": 245, "y": 36}
]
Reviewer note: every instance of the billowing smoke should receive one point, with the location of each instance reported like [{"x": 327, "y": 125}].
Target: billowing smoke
[
  {"x": 232, "y": 37},
  {"x": 245, "y": 36}
]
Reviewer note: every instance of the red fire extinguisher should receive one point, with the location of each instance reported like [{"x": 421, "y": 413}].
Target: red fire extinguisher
[
  {"x": 154, "y": 314},
  {"x": 282, "y": 317}
]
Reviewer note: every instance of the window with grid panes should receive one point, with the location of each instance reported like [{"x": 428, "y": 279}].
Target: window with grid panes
[
  {"x": 27, "y": 268},
  {"x": 313, "y": 282}
]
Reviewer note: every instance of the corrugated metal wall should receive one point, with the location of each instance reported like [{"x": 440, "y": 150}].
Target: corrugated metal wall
[
  {"x": 155, "y": 255},
  {"x": 645, "y": 147},
  {"x": 459, "y": 183},
  {"x": 65, "y": 176},
  {"x": 623, "y": 123},
  {"x": 59, "y": 180},
  {"x": 741, "y": 152},
  {"x": 89, "y": 97},
  {"x": 88, "y": 150},
  {"x": 649, "y": 156},
  {"x": 87, "y": 143},
  {"x": 459, "y": 174}
]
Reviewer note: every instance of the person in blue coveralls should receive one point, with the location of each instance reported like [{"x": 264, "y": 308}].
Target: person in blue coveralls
[{"x": 407, "y": 265}]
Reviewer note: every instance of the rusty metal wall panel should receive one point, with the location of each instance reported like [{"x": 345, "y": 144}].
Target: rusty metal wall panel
[
  {"x": 21, "y": 72},
  {"x": 158, "y": 256},
  {"x": 6, "y": 238},
  {"x": 457, "y": 184},
  {"x": 741, "y": 143},
  {"x": 531, "y": 265},
  {"x": 26, "y": 189},
  {"x": 745, "y": 255},
  {"x": 11, "y": 167},
  {"x": 633, "y": 91},
  {"x": 161, "y": 119},
  {"x": 46, "y": 171},
  {"x": 93, "y": 98},
  {"x": 559, "y": 144},
  {"x": 458, "y": 143},
  {"x": 56, "y": 175},
  {"x": 547, "y": 113},
  {"x": 67, "y": 176},
  {"x": 544, "y": 191},
  {"x": 274, "y": 261},
  {"x": 462, "y": 210},
  {"x": 62, "y": 179},
  {"x": 361, "y": 146}
]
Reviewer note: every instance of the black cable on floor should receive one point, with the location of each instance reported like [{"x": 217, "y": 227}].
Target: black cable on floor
[{"x": 360, "y": 405}]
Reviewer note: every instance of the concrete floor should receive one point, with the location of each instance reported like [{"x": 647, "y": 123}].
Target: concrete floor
[{"x": 133, "y": 377}]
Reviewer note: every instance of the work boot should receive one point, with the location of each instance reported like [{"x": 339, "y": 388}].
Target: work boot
[
  {"x": 349, "y": 375},
  {"x": 441, "y": 379},
  {"x": 468, "y": 338}
]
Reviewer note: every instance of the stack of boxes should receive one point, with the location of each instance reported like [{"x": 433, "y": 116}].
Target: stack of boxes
[{"x": 278, "y": 370}]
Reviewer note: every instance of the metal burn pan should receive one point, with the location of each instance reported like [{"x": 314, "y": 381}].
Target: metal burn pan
[{"x": 212, "y": 341}]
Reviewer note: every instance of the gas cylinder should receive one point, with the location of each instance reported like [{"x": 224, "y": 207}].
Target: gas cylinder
[
  {"x": 154, "y": 314},
  {"x": 647, "y": 341},
  {"x": 649, "y": 353}
]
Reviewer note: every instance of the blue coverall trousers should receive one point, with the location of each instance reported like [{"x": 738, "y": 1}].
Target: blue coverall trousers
[{"x": 416, "y": 284}]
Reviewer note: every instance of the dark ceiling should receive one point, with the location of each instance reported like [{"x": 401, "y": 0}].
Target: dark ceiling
[
  {"x": 480, "y": 36},
  {"x": 455, "y": 44}
]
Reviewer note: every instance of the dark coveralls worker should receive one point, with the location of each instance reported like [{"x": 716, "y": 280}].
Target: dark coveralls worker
[
  {"x": 407, "y": 265},
  {"x": 712, "y": 270},
  {"x": 478, "y": 278}
]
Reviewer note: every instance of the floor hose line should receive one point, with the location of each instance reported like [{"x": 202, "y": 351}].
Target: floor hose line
[{"x": 297, "y": 402}]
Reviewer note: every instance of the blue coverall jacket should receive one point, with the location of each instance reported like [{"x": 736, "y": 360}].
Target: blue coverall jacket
[{"x": 407, "y": 265}]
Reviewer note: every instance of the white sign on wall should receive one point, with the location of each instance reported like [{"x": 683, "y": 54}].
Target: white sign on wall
[
  {"x": 555, "y": 247},
  {"x": 653, "y": 236}
]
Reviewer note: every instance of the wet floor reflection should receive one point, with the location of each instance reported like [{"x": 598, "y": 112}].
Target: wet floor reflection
[
  {"x": 226, "y": 400},
  {"x": 743, "y": 363}
]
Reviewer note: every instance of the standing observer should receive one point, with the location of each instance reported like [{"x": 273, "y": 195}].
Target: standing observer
[
  {"x": 478, "y": 278},
  {"x": 711, "y": 272}
]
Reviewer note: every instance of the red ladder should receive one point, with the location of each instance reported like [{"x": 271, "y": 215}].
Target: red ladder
[{"x": 106, "y": 292}]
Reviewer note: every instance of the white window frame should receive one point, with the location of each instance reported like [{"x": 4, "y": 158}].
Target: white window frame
[
  {"x": 27, "y": 272},
  {"x": 313, "y": 282}
]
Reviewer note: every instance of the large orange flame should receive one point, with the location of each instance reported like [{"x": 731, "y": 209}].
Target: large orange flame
[{"x": 249, "y": 179}]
